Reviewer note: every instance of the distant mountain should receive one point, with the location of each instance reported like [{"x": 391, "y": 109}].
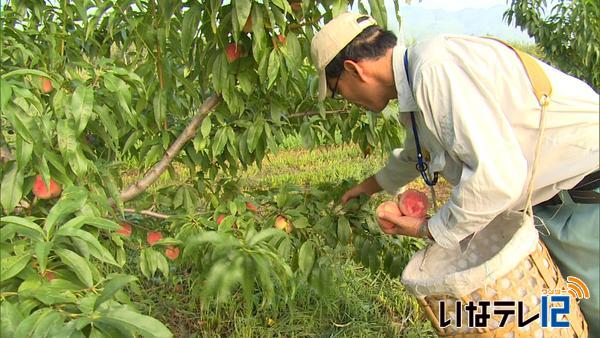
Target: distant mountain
[{"x": 421, "y": 23}]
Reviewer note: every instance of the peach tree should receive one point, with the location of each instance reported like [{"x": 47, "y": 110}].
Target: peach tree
[
  {"x": 99, "y": 99},
  {"x": 568, "y": 33}
]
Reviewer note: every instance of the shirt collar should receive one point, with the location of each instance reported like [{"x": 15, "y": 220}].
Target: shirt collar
[{"x": 406, "y": 100}]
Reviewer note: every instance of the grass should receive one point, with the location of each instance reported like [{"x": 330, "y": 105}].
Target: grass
[
  {"x": 362, "y": 304},
  {"x": 301, "y": 167}
]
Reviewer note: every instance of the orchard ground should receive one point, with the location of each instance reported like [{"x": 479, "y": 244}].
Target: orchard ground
[{"x": 363, "y": 305}]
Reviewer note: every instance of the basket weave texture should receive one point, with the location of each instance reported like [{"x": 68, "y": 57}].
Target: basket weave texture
[{"x": 525, "y": 283}]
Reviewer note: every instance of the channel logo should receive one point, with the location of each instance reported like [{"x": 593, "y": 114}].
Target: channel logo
[
  {"x": 577, "y": 288},
  {"x": 555, "y": 306}
]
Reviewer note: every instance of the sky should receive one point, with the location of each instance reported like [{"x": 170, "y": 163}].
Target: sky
[
  {"x": 455, "y": 5},
  {"x": 427, "y": 18}
]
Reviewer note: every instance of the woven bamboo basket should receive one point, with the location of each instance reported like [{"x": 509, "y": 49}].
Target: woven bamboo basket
[{"x": 449, "y": 278}]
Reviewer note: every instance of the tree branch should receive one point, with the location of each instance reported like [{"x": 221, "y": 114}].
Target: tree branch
[
  {"x": 314, "y": 112},
  {"x": 188, "y": 133},
  {"x": 147, "y": 213}
]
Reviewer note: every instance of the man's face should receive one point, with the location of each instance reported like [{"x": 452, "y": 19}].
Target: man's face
[{"x": 356, "y": 85}]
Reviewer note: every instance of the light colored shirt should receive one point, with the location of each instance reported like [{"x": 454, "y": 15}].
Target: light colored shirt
[{"x": 478, "y": 118}]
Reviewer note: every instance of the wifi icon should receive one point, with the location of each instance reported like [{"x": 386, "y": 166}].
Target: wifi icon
[{"x": 577, "y": 288}]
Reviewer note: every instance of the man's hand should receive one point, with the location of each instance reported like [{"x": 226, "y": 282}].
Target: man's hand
[
  {"x": 404, "y": 225},
  {"x": 367, "y": 187}
]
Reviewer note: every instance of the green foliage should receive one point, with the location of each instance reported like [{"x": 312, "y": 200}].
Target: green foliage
[
  {"x": 88, "y": 88},
  {"x": 122, "y": 91},
  {"x": 568, "y": 33},
  {"x": 50, "y": 281},
  {"x": 244, "y": 252}
]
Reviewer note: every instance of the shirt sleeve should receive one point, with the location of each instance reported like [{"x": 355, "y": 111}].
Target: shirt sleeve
[
  {"x": 468, "y": 121},
  {"x": 400, "y": 168}
]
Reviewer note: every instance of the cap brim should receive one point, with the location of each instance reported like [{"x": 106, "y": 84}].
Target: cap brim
[{"x": 323, "y": 88}]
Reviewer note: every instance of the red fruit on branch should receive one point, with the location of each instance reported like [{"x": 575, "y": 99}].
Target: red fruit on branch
[
  {"x": 283, "y": 223},
  {"x": 233, "y": 52},
  {"x": 43, "y": 192},
  {"x": 389, "y": 207},
  {"x": 46, "y": 85},
  {"x": 49, "y": 275},
  {"x": 153, "y": 237},
  {"x": 296, "y": 6},
  {"x": 172, "y": 252},
  {"x": 125, "y": 229},
  {"x": 251, "y": 207},
  {"x": 281, "y": 39},
  {"x": 413, "y": 203},
  {"x": 220, "y": 219}
]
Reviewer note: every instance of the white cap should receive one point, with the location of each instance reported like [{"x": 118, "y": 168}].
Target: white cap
[{"x": 332, "y": 38}]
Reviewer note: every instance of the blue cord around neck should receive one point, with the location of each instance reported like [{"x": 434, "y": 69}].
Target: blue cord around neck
[{"x": 421, "y": 165}]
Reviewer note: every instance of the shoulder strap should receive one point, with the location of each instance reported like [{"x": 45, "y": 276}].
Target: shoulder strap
[{"x": 542, "y": 88}]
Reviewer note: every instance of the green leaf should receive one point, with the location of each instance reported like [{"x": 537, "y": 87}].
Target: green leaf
[
  {"x": 254, "y": 133},
  {"x": 10, "y": 319},
  {"x": 131, "y": 140},
  {"x": 24, "y": 151},
  {"x": 343, "y": 230},
  {"x": 26, "y": 327},
  {"x": 12, "y": 187},
  {"x": 53, "y": 295},
  {"x": 77, "y": 264},
  {"x": 294, "y": 50},
  {"x": 162, "y": 263},
  {"x": 143, "y": 263},
  {"x": 264, "y": 270},
  {"x": 96, "y": 249},
  {"x": 160, "y": 108},
  {"x": 397, "y": 267},
  {"x": 189, "y": 27},
  {"x": 206, "y": 127},
  {"x": 71, "y": 327},
  {"x": 114, "y": 285},
  {"x": 107, "y": 120},
  {"x": 301, "y": 222},
  {"x": 5, "y": 93},
  {"x": 151, "y": 261},
  {"x": 258, "y": 31},
  {"x": 24, "y": 72},
  {"x": 273, "y": 67},
  {"x": 42, "y": 250},
  {"x": 145, "y": 325},
  {"x": 98, "y": 222},
  {"x": 25, "y": 227},
  {"x": 378, "y": 12},
  {"x": 82, "y": 103},
  {"x": 242, "y": 8},
  {"x": 219, "y": 73},
  {"x": 284, "y": 5},
  {"x": 339, "y": 6},
  {"x": 306, "y": 258},
  {"x": 219, "y": 142},
  {"x": 12, "y": 265},
  {"x": 21, "y": 122},
  {"x": 70, "y": 148},
  {"x": 264, "y": 235},
  {"x": 72, "y": 199},
  {"x": 97, "y": 334}
]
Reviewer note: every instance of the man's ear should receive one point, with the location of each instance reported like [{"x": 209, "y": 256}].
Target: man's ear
[{"x": 356, "y": 69}]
